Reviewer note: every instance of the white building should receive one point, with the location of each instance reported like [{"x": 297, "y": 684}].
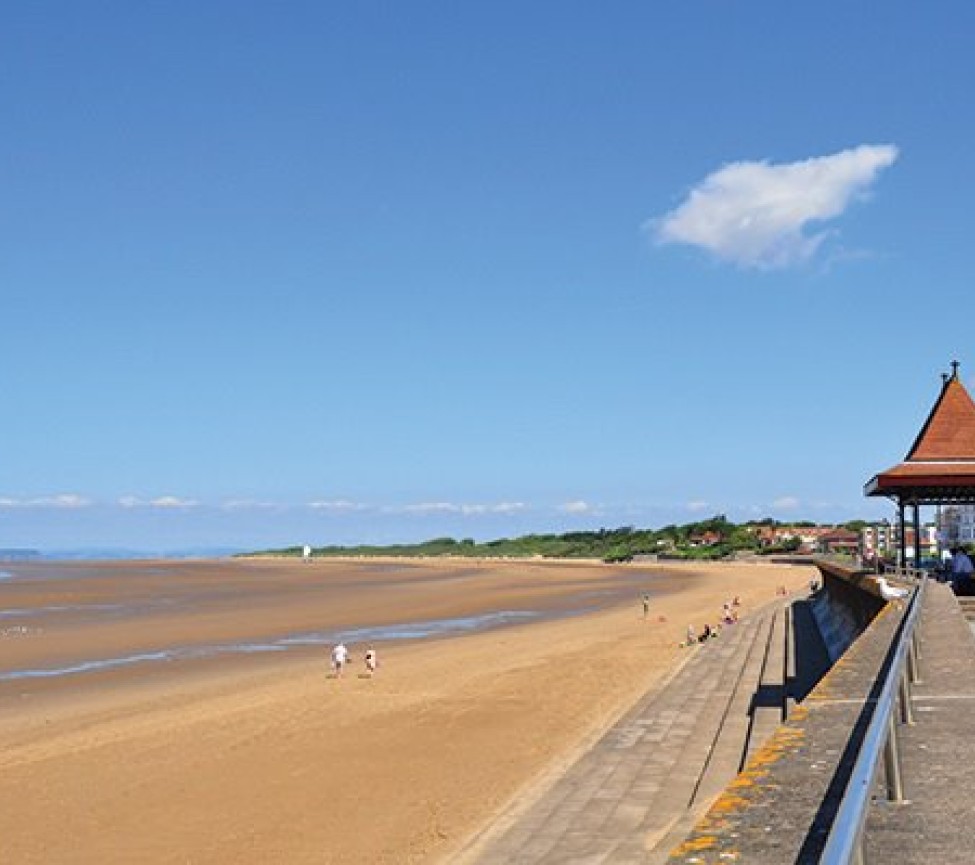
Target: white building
[{"x": 958, "y": 524}]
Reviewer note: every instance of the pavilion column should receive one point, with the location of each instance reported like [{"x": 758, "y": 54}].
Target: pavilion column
[
  {"x": 902, "y": 535},
  {"x": 917, "y": 535}
]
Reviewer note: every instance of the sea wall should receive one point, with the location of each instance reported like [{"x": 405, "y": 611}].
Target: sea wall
[{"x": 846, "y": 603}]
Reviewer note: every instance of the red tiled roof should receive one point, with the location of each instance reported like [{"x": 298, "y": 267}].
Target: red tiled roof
[
  {"x": 941, "y": 463},
  {"x": 949, "y": 432}
]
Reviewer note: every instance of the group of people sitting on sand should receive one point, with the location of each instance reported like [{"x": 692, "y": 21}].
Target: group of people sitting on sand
[
  {"x": 341, "y": 658},
  {"x": 729, "y": 616}
]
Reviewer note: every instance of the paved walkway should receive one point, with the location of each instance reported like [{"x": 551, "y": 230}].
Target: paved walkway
[
  {"x": 938, "y": 751},
  {"x": 639, "y": 789}
]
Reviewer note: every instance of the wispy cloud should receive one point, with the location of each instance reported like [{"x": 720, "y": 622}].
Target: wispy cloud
[
  {"x": 251, "y": 505},
  {"x": 755, "y": 214},
  {"x": 337, "y": 506},
  {"x": 65, "y": 501},
  {"x": 162, "y": 502},
  {"x": 698, "y": 505},
  {"x": 786, "y": 503},
  {"x": 423, "y": 508},
  {"x": 577, "y": 507}
]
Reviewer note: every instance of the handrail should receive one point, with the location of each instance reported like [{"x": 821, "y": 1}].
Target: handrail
[{"x": 845, "y": 842}]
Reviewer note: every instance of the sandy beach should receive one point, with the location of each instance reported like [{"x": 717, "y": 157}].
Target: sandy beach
[{"x": 259, "y": 757}]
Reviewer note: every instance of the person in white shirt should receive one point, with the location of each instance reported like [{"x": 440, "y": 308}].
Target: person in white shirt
[{"x": 340, "y": 657}]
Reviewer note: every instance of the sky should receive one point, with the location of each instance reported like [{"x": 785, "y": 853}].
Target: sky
[{"x": 375, "y": 272}]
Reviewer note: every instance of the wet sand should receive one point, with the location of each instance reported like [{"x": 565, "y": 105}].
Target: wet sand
[{"x": 261, "y": 758}]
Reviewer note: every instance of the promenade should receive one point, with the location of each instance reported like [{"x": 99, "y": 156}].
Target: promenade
[
  {"x": 781, "y": 808},
  {"x": 640, "y": 789},
  {"x": 935, "y": 824}
]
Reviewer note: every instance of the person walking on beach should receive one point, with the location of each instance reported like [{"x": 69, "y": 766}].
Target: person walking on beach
[
  {"x": 340, "y": 657},
  {"x": 646, "y": 605},
  {"x": 371, "y": 661}
]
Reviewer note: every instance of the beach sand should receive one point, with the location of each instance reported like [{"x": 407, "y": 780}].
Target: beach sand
[{"x": 264, "y": 759}]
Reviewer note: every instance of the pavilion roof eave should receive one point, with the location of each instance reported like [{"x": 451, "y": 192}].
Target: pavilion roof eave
[{"x": 928, "y": 489}]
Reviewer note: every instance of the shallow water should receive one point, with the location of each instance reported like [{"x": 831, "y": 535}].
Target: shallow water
[{"x": 379, "y": 634}]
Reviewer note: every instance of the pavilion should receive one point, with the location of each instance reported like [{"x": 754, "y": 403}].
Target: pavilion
[{"x": 940, "y": 466}]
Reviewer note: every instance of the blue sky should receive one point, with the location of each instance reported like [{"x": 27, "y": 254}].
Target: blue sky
[{"x": 373, "y": 272}]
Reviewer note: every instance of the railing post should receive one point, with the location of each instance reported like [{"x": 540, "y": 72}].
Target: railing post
[
  {"x": 892, "y": 765},
  {"x": 912, "y": 671},
  {"x": 907, "y": 710}
]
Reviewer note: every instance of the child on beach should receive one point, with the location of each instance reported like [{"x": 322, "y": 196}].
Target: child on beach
[
  {"x": 340, "y": 657},
  {"x": 371, "y": 661}
]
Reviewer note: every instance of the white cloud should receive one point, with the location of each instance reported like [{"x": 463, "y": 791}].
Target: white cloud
[
  {"x": 698, "y": 505},
  {"x": 755, "y": 214},
  {"x": 576, "y": 507},
  {"x": 509, "y": 507},
  {"x": 339, "y": 505},
  {"x": 431, "y": 508},
  {"x": 69, "y": 500},
  {"x": 163, "y": 502},
  {"x": 173, "y": 502},
  {"x": 250, "y": 505},
  {"x": 786, "y": 503},
  {"x": 65, "y": 501},
  {"x": 467, "y": 510}
]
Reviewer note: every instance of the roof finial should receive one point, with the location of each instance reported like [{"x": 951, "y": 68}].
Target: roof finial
[
  {"x": 944, "y": 378},
  {"x": 954, "y": 369}
]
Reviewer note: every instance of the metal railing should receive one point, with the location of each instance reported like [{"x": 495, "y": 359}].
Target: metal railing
[{"x": 845, "y": 843}]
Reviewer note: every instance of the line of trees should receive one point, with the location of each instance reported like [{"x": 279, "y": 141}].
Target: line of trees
[{"x": 709, "y": 539}]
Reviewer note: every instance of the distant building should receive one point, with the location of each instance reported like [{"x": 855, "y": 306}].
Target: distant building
[
  {"x": 808, "y": 536},
  {"x": 705, "y": 539},
  {"x": 958, "y": 524},
  {"x": 882, "y": 540},
  {"x": 840, "y": 541}
]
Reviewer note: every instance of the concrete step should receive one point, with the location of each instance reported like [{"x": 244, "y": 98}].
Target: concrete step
[
  {"x": 730, "y": 744},
  {"x": 768, "y": 704},
  {"x": 627, "y": 794},
  {"x": 714, "y": 693},
  {"x": 790, "y": 661},
  {"x": 967, "y": 605}
]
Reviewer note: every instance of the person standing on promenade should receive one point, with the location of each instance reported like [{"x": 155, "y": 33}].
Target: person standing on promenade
[{"x": 340, "y": 657}]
